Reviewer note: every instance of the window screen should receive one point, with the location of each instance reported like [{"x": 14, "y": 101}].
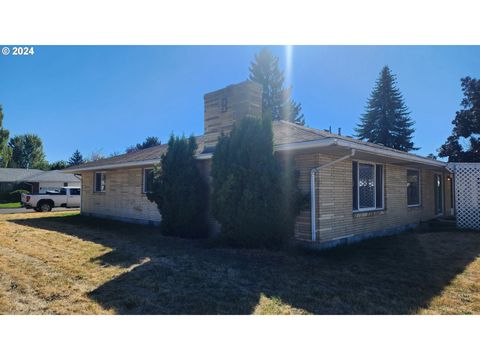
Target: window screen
[
  {"x": 355, "y": 185},
  {"x": 413, "y": 187},
  {"x": 379, "y": 186},
  {"x": 100, "y": 182},
  {"x": 367, "y": 186},
  {"x": 147, "y": 180}
]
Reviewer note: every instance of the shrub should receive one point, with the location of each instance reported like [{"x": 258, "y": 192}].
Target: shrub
[
  {"x": 254, "y": 199},
  {"x": 179, "y": 191},
  {"x": 16, "y": 195}
]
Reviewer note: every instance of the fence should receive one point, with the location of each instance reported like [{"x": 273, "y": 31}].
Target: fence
[{"x": 467, "y": 194}]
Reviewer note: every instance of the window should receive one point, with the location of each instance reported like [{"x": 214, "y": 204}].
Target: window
[
  {"x": 74, "y": 191},
  {"x": 147, "y": 180},
  {"x": 367, "y": 191},
  {"x": 65, "y": 184},
  {"x": 413, "y": 187},
  {"x": 100, "y": 182}
]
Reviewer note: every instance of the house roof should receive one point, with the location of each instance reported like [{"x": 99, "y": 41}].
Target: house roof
[
  {"x": 286, "y": 136},
  {"x": 35, "y": 175},
  {"x": 148, "y": 156},
  {"x": 16, "y": 175},
  {"x": 52, "y": 176},
  {"x": 305, "y": 134}
]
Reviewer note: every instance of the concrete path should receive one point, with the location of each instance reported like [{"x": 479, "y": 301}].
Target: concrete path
[{"x": 23, "y": 210}]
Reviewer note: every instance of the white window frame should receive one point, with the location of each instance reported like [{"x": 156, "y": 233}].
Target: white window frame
[
  {"x": 95, "y": 181},
  {"x": 374, "y": 187},
  {"x": 144, "y": 179},
  {"x": 419, "y": 187}
]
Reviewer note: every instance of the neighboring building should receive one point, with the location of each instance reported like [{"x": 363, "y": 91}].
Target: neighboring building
[
  {"x": 358, "y": 189},
  {"x": 36, "y": 181}
]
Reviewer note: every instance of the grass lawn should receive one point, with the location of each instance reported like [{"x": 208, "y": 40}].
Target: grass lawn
[
  {"x": 63, "y": 263},
  {"x": 10, "y": 205}
]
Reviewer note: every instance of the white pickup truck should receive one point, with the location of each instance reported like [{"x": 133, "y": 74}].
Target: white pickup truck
[{"x": 66, "y": 197}]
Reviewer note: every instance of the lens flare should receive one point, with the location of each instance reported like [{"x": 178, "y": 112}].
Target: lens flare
[{"x": 288, "y": 81}]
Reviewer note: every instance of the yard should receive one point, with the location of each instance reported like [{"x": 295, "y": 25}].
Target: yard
[
  {"x": 63, "y": 263},
  {"x": 13, "y": 205}
]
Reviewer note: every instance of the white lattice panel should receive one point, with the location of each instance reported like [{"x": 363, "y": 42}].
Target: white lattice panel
[{"x": 467, "y": 194}]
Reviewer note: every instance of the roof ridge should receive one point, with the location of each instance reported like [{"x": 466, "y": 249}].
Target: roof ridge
[{"x": 309, "y": 129}]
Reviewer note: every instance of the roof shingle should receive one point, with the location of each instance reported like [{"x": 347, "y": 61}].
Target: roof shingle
[{"x": 283, "y": 133}]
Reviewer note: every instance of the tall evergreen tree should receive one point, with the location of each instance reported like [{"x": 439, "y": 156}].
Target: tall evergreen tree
[
  {"x": 277, "y": 102},
  {"x": 76, "y": 159},
  {"x": 466, "y": 125},
  {"x": 387, "y": 119},
  {"x": 149, "y": 142},
  {"x": 27, "y": 152},
  {"x": 5, "y": 150}
]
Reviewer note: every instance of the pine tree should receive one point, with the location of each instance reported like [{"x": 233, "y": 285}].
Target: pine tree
[
  {"x": 277, "y": 103},
  {"x": 179, "y": 190},
  {"x": 76, "y": 159},
  {"x": 387, "y": 119},
  {"x": 465, "y": 125},
  {"x": 5, "y": 150}
]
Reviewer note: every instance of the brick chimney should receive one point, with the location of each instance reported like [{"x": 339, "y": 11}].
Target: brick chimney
[{"x": 226, "y": 106}]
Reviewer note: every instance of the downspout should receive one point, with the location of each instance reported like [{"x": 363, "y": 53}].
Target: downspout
[{"x": 312, "y": 190}]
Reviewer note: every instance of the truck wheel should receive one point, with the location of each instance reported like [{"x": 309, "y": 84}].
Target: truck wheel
[{"x": 45, "y": 207}]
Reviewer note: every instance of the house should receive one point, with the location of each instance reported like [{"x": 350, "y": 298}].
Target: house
[
  {"x": 36, "y": 181},
  {"x": 357, "y": 189}
]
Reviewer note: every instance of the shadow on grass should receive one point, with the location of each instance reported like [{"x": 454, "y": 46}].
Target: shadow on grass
[{"x": 394, "y": 275}]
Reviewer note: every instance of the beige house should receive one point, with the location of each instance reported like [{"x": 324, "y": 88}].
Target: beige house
[{"x": 357, "y": 189}]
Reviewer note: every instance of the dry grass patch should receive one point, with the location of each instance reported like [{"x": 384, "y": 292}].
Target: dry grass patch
[{"x": 63, "y": 263}]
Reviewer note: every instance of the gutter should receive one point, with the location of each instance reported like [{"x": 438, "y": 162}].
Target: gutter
[
  {"x": 360, "y": 147},
  {"x": 313, "y": 205},
  {"x": 112, "y": 166}
]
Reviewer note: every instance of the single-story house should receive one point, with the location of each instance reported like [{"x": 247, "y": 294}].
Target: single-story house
[
  {"x": 357, "y": 189},
  {"x": 36, "y": 181}
]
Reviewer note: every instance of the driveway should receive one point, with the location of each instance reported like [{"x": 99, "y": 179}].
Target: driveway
[{"x": 23, "y": 210}]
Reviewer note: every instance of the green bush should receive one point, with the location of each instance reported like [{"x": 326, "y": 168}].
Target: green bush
[
  {"x": 16, "y": 195},
  {"x": 255, "y": 198},
  {"x": 179, "y": 191}
]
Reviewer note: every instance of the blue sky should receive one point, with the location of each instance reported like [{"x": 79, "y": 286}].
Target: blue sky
[{"x": 107, "y": 98}]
